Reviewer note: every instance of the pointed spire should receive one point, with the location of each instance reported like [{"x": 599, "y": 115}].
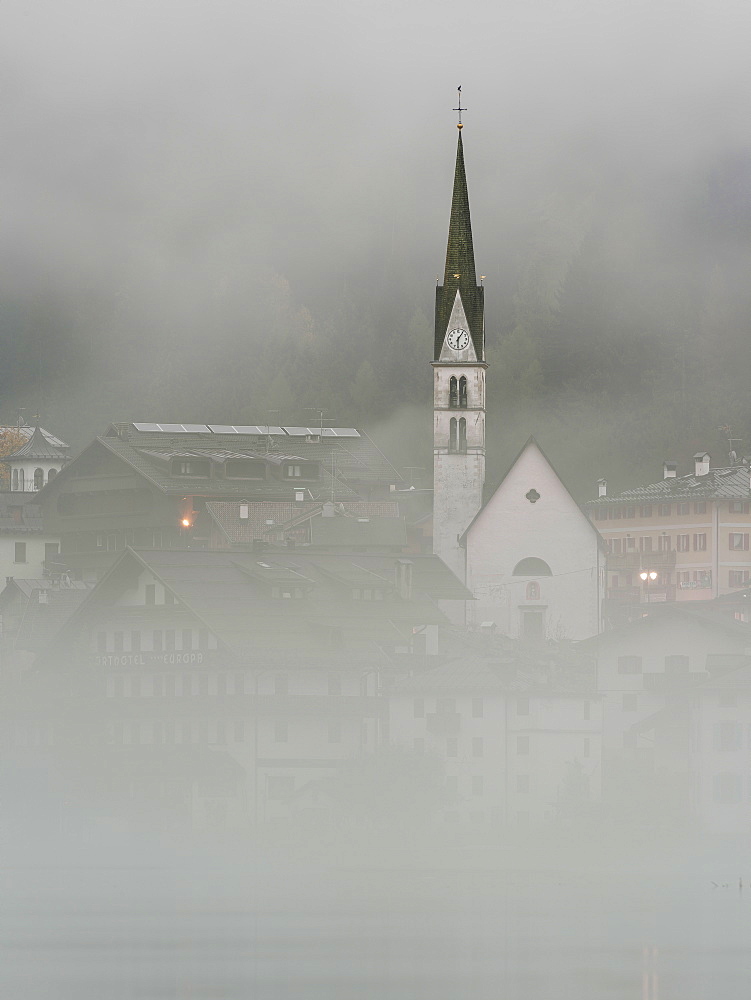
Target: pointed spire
[{"x": 460, "y": 254}]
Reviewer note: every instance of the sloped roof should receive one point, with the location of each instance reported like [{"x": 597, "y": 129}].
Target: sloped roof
[
  {"x": 283, "y": 516},
  {"x": 223, "y": 590},
  {"x": 490, "y": 490},
  {"x": 19, "y": 517},
  {"x": 727, "y": 483},
  {"x": 26, "y": 431},
  {"x": 38, "y": 445}
]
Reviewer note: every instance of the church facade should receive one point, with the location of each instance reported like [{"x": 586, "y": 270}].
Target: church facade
[{"x": 533, "y": 561}]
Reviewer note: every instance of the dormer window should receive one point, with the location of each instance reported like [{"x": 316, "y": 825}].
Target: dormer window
[{"x": 191, "y": 467}]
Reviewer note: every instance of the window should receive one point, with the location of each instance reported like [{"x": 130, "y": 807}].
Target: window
[
  {"x": 738, "y": 577},
  {"x": 727, "y": 735},
  {"x": 169, "y": 638},
  {"x": 51, "y": 551},
  {"x": 615, "y": 513},
  {"x": 681, "y": 543},
  {"x": 186, "y": 638},
  {"x": 629, "y": 512},
  {"x": 38, "y": 479},
  {"x": 738, "y": 541},
  {"x": 630, "y": 701},
  {"x": 157, "y": 641},
  {"x": 664, "y": 543},
  {"x": 629, "y": 665},
  {"x": 700, "y": 507},
  {"x": 737, "y": 507},
  {"x": 601, "y": 514},
  {"x": 683, "y": 508},
  {"x": 522, "y": 745},
  {"x": 20, "y": 480},
  {"x": 453, "y": 393},
  {"x": 726, "y": 788},
  {"x": 463, "y": 392},
  {"x": 478, "y": 708},
  {"x": 463, "y": 435},
  {"x": 677, "y": 664},
  {"x": 645, "y": 544},
  {"x": 645, "y": 511},
  {"x": 135, "y": 642},
  {"x": 14, "y": 487},
  {"x": 453, "y": 436},
  {"x": 700, "y": 543},
  {"x": 478, "y": 746},
  {"x": 51, "y": 475},
  {"x": 294, "y": 471},
  {"x": 117, "y": 642},
  {"x": 101, "y": 642},
  {"x": 665, "y": 509},
  {"x": 281, "y": 732},
  {"x": 191, "y": 467},
  {"x": 20, "y": 552},
  {"x": 532, "y": 567},
  {"x": 616, "y": 546}
]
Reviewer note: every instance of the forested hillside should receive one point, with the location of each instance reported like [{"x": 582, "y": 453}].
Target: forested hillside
[{"x": 617, "y": 319}]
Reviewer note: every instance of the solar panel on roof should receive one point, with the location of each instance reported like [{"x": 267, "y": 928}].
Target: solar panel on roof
[
  {"x": 345, "y": 432},
  {"x": 296, "y": 431},
  {"x": 222, "y": 429},
  {"x": 146, "y": 427},
  {"x": 195, "y": 428}
]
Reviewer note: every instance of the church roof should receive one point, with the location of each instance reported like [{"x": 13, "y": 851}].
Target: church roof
[
  {"x": 39, "y": 445},
  {"x": 490, "y": 491},
  {"x": 459, "y": 273}
]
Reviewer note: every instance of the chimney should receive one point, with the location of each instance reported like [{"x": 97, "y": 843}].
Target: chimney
[
  {"x": 328, "y": 509},
  {"x": 669, "y": 470},
  {"x": 243, "y": 512},
  {"x": 43, "y": 599},
  {"x": 299, "y": 496},
  {"x": 602, "y": 487},
  {"x": 701, "y": 463}
]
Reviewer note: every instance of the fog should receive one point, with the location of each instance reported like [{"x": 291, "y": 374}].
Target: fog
[
  {"x": 190, "y": 185},
  {"x": 254, "y": 764}
]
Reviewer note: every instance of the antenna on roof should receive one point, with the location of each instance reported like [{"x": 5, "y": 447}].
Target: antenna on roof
[
  {"x": 320, "y": 411},
  {"x": 732, "y": 454},
  {"x": 269, "y": 439}
]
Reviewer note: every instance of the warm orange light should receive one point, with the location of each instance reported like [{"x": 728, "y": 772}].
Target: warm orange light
[{"x": 185, "y": 522}]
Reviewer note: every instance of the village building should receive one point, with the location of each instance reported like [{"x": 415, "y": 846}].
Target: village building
[
  {"x": 519, "y": 735},
  {"x": 267, "y": 666},
  {"x": 148, "y": 485},
  {"x": 684, "y": 538},
  {"x": 35, "y": 462}
]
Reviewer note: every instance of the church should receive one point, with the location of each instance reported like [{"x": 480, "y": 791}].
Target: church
[{"x": 533, "y": 561}]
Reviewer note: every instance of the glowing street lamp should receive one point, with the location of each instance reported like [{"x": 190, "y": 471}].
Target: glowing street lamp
[{"x": 647, "y": 576}]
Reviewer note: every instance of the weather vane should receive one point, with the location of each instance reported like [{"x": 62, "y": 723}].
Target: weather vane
[{"x": 460, "y": 108}]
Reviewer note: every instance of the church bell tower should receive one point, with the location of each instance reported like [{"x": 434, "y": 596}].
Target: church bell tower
[{"x": 458, "y": 383}]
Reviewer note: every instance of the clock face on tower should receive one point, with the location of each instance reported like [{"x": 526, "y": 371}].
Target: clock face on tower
[{"x": 458, "y": 340}]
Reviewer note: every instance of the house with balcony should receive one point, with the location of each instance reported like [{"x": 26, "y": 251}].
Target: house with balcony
[{"x": 684, "y": 538}]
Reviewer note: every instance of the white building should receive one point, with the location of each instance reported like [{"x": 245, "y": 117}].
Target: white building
[
  {"x": 534, "y": 561},
  {"x": 35, "y": 462}
]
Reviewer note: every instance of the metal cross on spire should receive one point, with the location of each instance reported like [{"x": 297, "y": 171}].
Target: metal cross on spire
[{"x": 460, "y": 108}]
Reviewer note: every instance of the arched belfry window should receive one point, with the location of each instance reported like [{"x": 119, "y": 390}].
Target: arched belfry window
[
  {"x": 453, "y": 393},
  {"x": 453, "y": 439},
  {"x": 463, "y": 392},
  {"x": 532, "y": 566},
  {"x": 38, "y": 479},
  {"x": 15, "y": 480},
  {"x": 51, "y": 474},
  {"x": 462, "y": 435},
  {"x": 21, "y": 485}
]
